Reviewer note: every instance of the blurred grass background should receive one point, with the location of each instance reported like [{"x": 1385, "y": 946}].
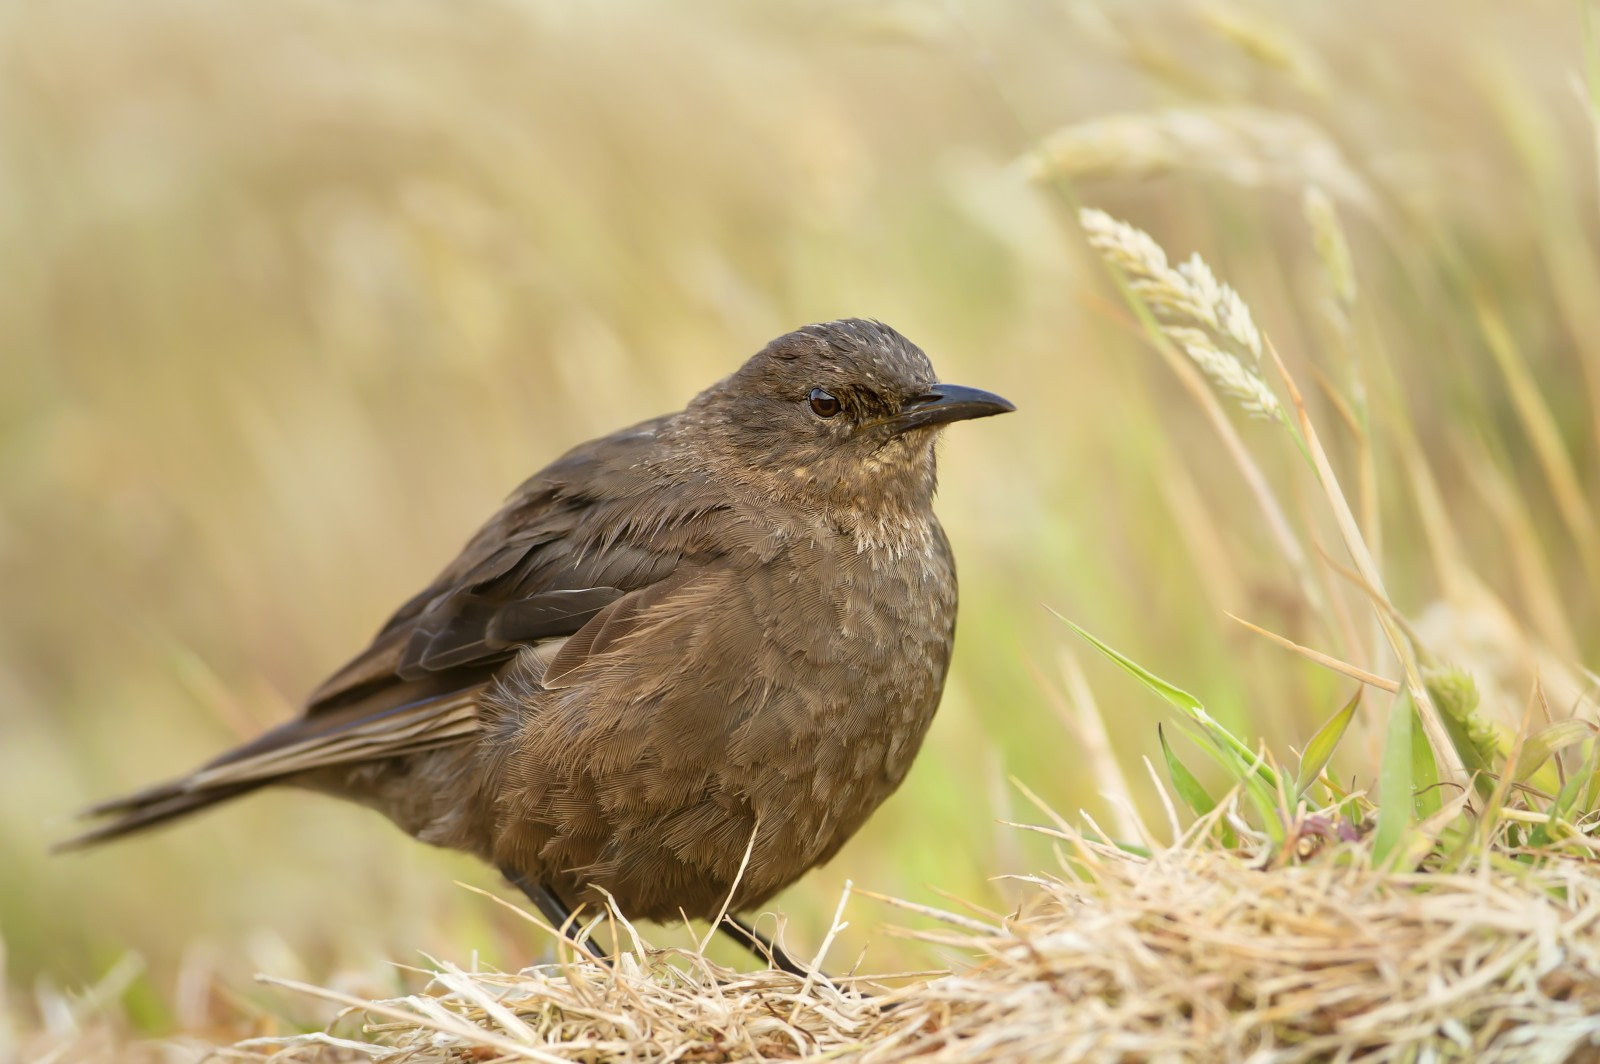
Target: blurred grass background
[{"x": 293, "y": 294}]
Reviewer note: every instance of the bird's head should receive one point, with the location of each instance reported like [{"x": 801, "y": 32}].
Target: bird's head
[{"x": 841, "y": 414}]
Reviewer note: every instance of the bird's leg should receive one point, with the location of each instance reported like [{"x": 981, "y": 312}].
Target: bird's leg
[
  {"x": 560, "y": 916},
  {"x": 760, "y": 945},
  {"x": 550, "y": 905}
]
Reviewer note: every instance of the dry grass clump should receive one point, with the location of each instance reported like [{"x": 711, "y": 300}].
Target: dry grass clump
[
  {"x": 1186, "y": 954},
  {"x": 1195, "y": 955}
]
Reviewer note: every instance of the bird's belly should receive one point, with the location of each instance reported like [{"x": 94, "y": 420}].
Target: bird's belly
[{"x": 771, "y": 726}]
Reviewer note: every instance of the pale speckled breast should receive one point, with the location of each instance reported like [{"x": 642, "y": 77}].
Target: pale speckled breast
[{"x": 782, "y": 699}]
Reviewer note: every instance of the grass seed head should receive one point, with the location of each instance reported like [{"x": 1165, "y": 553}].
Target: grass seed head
[
  {"x": 1205, "y": 317},
  {"x": 1252, "y": 147}
]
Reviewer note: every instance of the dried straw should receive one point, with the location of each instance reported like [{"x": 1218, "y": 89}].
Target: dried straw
[{"x": 1191, "y": 954}]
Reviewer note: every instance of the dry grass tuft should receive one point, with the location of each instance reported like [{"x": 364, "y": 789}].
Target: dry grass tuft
[
  {"x": 1193, "y": 954},
  {"x": 1187, "y": 954}
]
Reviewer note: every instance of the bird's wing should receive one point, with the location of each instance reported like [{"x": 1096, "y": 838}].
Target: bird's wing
[
  {"x": 581, "y": 535},
  {"x": 573, "y": 539}
]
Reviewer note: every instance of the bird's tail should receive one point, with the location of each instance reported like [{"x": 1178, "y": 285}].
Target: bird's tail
[
  {"x": 342, "y": 737},
  {"x": 148, "y": 808}
]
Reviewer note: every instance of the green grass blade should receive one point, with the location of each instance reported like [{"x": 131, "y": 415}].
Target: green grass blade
[
  {"x": 1180, "y": 699},
  {"x": 1395, "y": 813},
  {"x": 1169, "y": 692},
  {"x": 1189, "y": 788},
  {"x": 1319, "y": 751},
  {"x": 1249, "y": 774},
  {"x": 1591, "y": 790},
  {"x": 1547, "y": 741},
  {"x": 1567, "y": 797},
  {"x": 1424, "y": 772}
]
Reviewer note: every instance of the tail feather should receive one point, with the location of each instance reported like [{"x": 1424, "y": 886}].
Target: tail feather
[
  {"x": 155, "y": 807},
  {"x": 293, "y": 749}
]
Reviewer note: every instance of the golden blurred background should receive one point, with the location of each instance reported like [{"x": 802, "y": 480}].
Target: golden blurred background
[{"x": 292, "y": 294}]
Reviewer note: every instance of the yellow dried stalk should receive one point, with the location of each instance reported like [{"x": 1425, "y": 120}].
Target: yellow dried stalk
[{"x": 1191, "y": 954}]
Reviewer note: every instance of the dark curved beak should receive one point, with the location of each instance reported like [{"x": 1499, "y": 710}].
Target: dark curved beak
[{"x": 944, "y": 403}]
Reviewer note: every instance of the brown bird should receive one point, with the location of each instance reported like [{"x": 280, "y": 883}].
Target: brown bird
[{"x": 721, "y": 631}]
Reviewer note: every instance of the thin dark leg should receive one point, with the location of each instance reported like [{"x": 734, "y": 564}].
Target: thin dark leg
[
  {"x": 560, "y": 916},
  {"x": 763, "y": 947},
  {"x": 553, "y": 909}
]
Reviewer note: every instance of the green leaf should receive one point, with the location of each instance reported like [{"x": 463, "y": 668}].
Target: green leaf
[
  {"x": 1542, "y": 744},
  {"x": 1244, "y": 773},
  {"x": 1126, "y": 847},
  {"x": 1591, "y": 790},
  {"x": 1245, "y": 765},
  {"x": 1265, "y": 798},
  {"x": 1395, "y": 814},
  {"x": 1183, "y": 781},
  {"x": 1443, "y": 829},
  {"x": 1177, "y": 697},
  {"x": 1424, "y": 772},
  {"x": 1568, "y": 795},
  {"x": 1319, "y": 751},
  {"x": 1171, "y": 693}
]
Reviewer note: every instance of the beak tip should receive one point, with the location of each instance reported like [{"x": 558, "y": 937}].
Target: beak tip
[
  {"x": 973, "y": 402},
  {"x": 945, "y": 403}
]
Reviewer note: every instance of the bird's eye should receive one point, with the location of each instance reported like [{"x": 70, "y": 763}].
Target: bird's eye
[{"x": 823, "y": 403}]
